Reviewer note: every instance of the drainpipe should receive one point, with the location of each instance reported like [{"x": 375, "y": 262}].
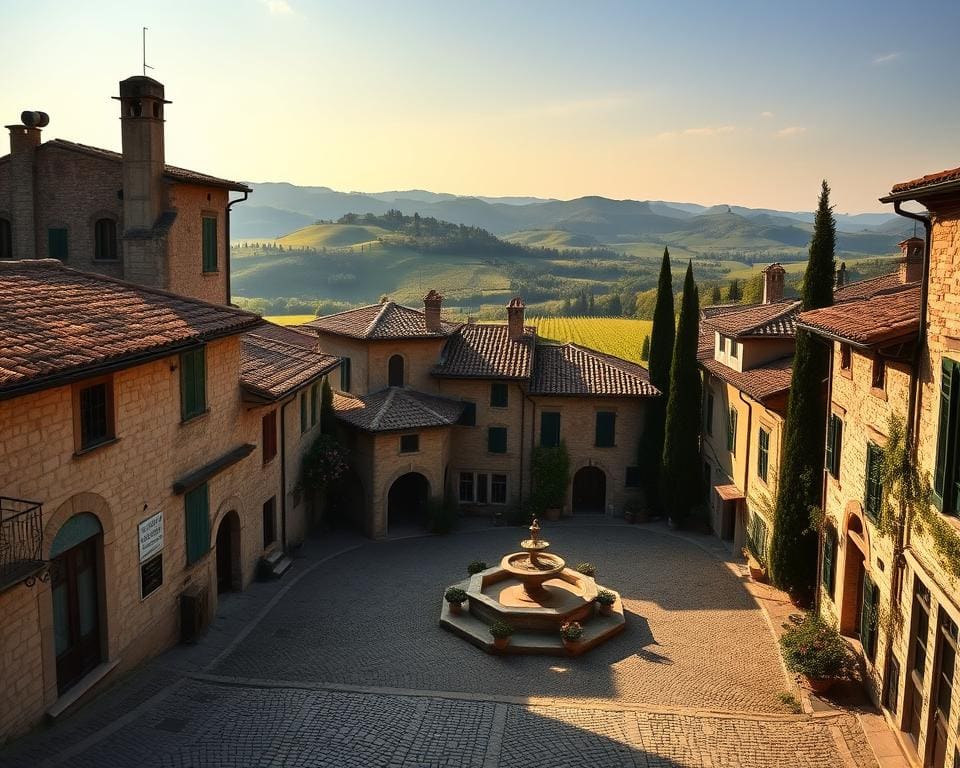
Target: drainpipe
[
  {"x": 283, "y": 475},
  {"x": 746, "y": 462},
  {"x": 226, "y": 230}
]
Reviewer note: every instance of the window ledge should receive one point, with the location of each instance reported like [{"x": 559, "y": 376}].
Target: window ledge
[
  {"x": 409, "y": 453},
  {"x": 196, "y": 417},
  {"x": 847, "y": 373},
  {"x": 94, "y": 448},
  {"x": 879, "y": 393},
  {"x": 207, "y": 272},
  {"x": 83, "y": 686}
]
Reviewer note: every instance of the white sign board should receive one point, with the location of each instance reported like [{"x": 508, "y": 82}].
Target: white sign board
[{"x": 151, "y": 536}]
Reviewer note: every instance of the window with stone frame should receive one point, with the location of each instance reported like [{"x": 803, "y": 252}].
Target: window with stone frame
[
  {"x": 409, "y": 443},
  {"x": 105, "y": 240},
  {"x": 878, "y": 376},
  {"x": 94, "y": 416},
  {"x": 844, "y": 357},
  {"x": 763, "y": 453}
]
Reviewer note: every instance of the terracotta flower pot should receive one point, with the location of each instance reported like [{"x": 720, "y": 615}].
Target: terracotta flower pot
[
  {"x": 570, "y": 645},
  {"x": 456, "y": 608},
  {"x": 819, "y": 684},
  {"x": 604, "y": 610},
  {"x": 501, "y": 642}
]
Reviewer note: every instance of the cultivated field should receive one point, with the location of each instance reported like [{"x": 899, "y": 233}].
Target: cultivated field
[
  {"x": 289, "y": 319},
  {"x": 618, "y": 336}
]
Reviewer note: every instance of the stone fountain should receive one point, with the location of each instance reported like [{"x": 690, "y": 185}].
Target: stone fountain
[{"x": 535, "y": 593}]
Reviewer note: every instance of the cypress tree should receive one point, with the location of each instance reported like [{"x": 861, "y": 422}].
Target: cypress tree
[
  {"x": 659, "y": 358},
  {"x": 645, "y": 348},
  {"x": 328, "y": 421},
  {"x": 793, "y": 549},
  {"x": 682, "y": 489}
]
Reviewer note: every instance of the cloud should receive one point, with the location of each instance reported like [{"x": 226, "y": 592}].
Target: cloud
[
  {"x": 277, "y": 7},
  {"x": 707, "y": 130},
  {"x": 886, "y": 57},
  {"x": 766, "y": 114},
  {"x": 793, "y": 130}
]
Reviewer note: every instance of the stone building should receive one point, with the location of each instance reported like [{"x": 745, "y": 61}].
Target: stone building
[
  {"x": 432, "y": 409},
  {"x": 895, "y": 592}
]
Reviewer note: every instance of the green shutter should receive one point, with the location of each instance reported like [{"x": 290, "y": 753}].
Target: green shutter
[
  {"x": 497, "y": 439},
  {"x": 57, "y": 243},
  {"x": 868, "y": 624},
  {"x": 193, "y": 390},
  {"x": 345, "y": 375},
  {"x": 874, "y": 488},
  {"x": 829, "y": 558},
  {"x": 197, "y": 507},
  {"x": 498, "y": 394},
  {"x": 209, "y": 244},
  {"x": 605, "y": 429},
  {"x": 732, "y": 430},
  {"x": 831, "y": 435},
  {"x": 943, "y": 473},
  {"x": 549, "y": 429},
  {"x": 763, "y": 453}
]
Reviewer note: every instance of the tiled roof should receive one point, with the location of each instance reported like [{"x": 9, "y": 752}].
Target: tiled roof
[
  {"x": 487, "y": 352},
  {"x": 940, "y": 177},
  {"x": 759, "y": 383},
  {"x": 182, "y": 175},
  {"x": 713, "y": 310},
  {"x": 380, "y": 321},
  {"x": 775, "y": 320},
  {"x": 57, "y": 321},
  {"x": 569, "y": 369},
  {"x": 273, "y": 368},
  {"x": 395, "y": 409},
  {"x": 863, "y": 289},
  {"x": 289, "y": 335},
  {"x": 869, "y": 322}
]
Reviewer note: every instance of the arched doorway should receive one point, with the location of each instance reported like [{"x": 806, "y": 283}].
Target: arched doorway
[
  {"x": 395, "y": 371},
  {"x": 407, "y": 501},
  {"x": 854, "y": 555},
  {"x": 589, "y": 491},
  {"x": 229, "y": 577},
  {"x": 76, "y": 584}
]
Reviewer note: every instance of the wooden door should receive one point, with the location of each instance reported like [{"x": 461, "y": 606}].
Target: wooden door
[{"x": 76, "y": 612}]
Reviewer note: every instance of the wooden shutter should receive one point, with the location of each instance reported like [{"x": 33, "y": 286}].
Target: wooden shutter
[
  {"x": 868, "y": 625},
  {"x": 209, "y": 244},
  {"x": 940, "y": 480},
  {"x": 549, "y": 429},
  {"x": 469, "y": 416},
  {"x": 497, "y": 439},
  {"x": 345, "y": 375},
  {"x": 829, "y": 558},
  {"x": 874, "y": 488},
  {"x": 831, "y": 434},
  {"x": 196, "y": 504},
  {"x": 314, "y": 414},
  {"x": 192, "y": 383},
  {"x": 269, "y": 436},
  {"x": 498, "y": 394},
  {"x": 605, "y": 429},
  {"x": 304, "y": 424},
  {"x": 57, "y": 243},
  {"x": 732, "y": 430},
  {"x": 763, "y": 453}
]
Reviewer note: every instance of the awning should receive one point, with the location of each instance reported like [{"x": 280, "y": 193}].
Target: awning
[{"x": 728, "y": 492}]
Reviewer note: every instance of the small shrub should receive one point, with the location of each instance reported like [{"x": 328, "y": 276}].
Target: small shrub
[
  {"x": 606, "y": 597},
  {"x": 476, "y": 566},
  {"x": 587, "y": 569},
  {"x": 501, "y": 629},
  {"x": 815, "y": 649},
  {"x": 455, "y": 595},
  {"x": 790, "y": 702},
  {"x": 572, "y": 631}
]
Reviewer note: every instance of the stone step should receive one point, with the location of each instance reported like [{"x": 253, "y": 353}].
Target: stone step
[
  {"x": 281, "y": 567},
  {"x": 273, "y": 557}
]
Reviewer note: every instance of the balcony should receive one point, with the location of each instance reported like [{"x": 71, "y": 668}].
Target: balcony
[{"x": 21, "y": 541}]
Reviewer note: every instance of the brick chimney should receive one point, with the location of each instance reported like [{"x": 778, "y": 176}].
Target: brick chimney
[
  {"x": 911, "y": 260},
  {"x": 431, "y": 310},
  {"x": 841, "y": 275},
  {"x": 773, "y": 283},
  {"x": 24, "y": 140},
  {"x": 515, "y": 311}
]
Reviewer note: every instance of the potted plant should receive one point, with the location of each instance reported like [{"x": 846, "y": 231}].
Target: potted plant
[
  {"x": 501, "y": 632},
  {"x": 758, "y": 571},
  {"x": 587, "y": 569},
  {"x": 815, "y": 650},
  {"x": 550, "y": 471},
  {"x": 476, "y": 566},
  {"x": 455, "y": 598},
  {"x": 570, "y": 633},
  {"x": 605, "y": 601}
]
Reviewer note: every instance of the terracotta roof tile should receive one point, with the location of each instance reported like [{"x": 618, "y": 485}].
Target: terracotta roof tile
[
  {"x": 395, "y": 409},
  {"x": 273, "y": 368},
  {"x": 289, "y": 335},
  {"x": 774, "y": 320},
  {"x": 569, "y": 369},
  {"x": 872, "y": 286},
  {"x": 939, "y": 177},
  {"x": 380, "y": 321},
  {"x": 56, "y": 321},
  {"x": 868, "y": 322},
  {"x": 487, "y": 352},
  {"x": 761, "y": 382}
]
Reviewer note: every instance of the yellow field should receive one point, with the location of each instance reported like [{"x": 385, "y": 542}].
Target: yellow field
[
  {"x": 289, "y": 319},
  {"x": 618, "y": 336}
]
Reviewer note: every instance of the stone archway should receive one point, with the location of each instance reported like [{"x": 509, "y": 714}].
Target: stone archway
[
  {"x": 856, "y": 557},
  {"x": 589, "y": 491},
  {"x": 228, "y": 553},
  {"x": 407, "y": 501}
]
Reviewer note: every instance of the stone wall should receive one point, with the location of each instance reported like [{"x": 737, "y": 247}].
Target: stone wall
[
  {"x": 419, "y": 357},
  {"x": 185, "y": 242}
]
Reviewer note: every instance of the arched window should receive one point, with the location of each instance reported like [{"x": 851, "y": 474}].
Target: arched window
[
  {"x": 6, "y": 239},
  {"x": 105, "y": 240},
  {"x": 395, "y": 371}
]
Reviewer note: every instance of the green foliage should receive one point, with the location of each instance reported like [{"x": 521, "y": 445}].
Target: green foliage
[
  {"x": 734, "y": 293},
  {"x": 587, "y": 569},
  {"x": 323, "y": 463},
  {"x": 793, "y": 549},
  {"x": 501, "y": 629},
  {"x": 328, "y": 419},
  {"x": 815, "y": 649},
  {"x": 476, "y": 566},
  {"x": 550, "y": 473},
  {"x": 455, "y": 595},
  {"x": 645, "y": 349},
  {"x": 571, "y": 630},
  {"x": 791, "y": 702},
  {"x": 752, "y": 290},
  {"x": 606, "y": 597},
  {"x": 681, "y": 447}
]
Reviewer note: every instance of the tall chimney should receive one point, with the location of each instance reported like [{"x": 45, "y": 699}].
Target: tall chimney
[
  {"x": 515, "y": 311},
  {"x": 431, "y": 310},
  {"x": 841, "y": 275},
  {"x": 773, "y": 283},
  {"x": 24, "y": 140},
  {"x": 141, "y": 126},
  {"x": 911, "y": 260}
]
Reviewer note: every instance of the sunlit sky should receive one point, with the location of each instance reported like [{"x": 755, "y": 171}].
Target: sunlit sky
[{"x": 741, "y": 102}]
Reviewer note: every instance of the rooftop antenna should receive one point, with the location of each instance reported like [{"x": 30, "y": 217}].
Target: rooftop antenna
[{"x": 145, "y": 65}]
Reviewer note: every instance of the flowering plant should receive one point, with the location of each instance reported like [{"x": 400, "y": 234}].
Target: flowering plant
[
  {"x": 325, "y": 462},
  {"x": 571, "y": 630},
  {"x": 815, "y": 649}
]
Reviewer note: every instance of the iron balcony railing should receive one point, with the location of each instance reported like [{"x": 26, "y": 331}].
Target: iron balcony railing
[{"x": 21, "y": 541}]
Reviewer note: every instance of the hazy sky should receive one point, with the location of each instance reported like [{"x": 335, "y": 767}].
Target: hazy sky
[{"x": 716, "y": 101}]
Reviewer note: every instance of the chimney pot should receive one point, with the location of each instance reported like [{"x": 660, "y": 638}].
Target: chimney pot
[
  {"x": 515, "y": 310},
  {"x": 773, "y": 276},
  {"x": 432, "y": 303},
  {"x": 911, "y": 260}
]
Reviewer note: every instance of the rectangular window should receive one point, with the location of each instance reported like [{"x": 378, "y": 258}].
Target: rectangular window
[
  {"x": 497, "y": 439},
  {"x": 482, "y": 487},
  {"x": 834, "y": 445},
  {"x": 304, "y": 420},
  {"x": 757, "y": 538},
  {"x": 549, "y": 429},
  {"x": 732, "y": 430},
  {"x": 469, "y": 416},
  {"x": 733, "y": 348},
  {"x": 105, "y": 240},
  {"x": 498, "y": 489},
  {"x": 829, "y": 570},
  {"x": 345, "y": 375},
  {"x": 95, "y": 406},
  {"x": 197, "y": 508},
  {"x": 314, "y": 406},
  {"x": 723, "y": 344},
  {"x": 946, "y": 476},
  {"x": 193, "y": 383},
  {"x": 269, "y": 436},
  {"x": 763, "y": 453},
  {"x": 921, "y": 627},
  {"x": 878, "y": 379},
  {"x": 868, "y": 619},
  {"x": 466, "y": 487},
  {"x": 891, "y": 696},
  {"x": 57, "y": 243},
  {"x": 844, "y": 357},
  {"x": 269, "y": 521},
  {"x": 873, "y": 499},
  {"x": 409, "y": 443},
  {"x": 209, "y": 244},
  {"x": 605, "y": 429},
  {"x": 498, "y": 394},
  {"x": 633, "y": 477},
  {"x": 709, "y": 413},
  {"x": 948, "y": 658}
]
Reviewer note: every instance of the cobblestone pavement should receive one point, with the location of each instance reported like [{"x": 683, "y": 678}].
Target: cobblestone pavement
[{"x": 336, "y": 666}]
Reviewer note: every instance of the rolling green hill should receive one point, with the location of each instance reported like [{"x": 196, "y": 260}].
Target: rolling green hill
[{"x": 552, "y": 238}]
